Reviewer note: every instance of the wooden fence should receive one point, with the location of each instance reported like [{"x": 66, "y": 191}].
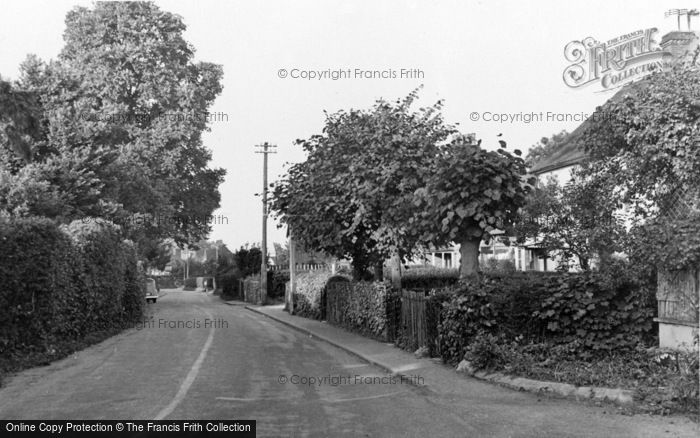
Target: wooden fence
[
  {"x": 677, "y": 296},
  {"x": 301, "y": 267},
  {"x": 251, "y": 290},
  {"x": 413, "y": 318}
]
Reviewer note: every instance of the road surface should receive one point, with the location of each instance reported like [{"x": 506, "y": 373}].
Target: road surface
[{"x": 198, "y": 358}]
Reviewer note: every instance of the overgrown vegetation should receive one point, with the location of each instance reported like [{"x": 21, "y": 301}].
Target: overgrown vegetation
[
  {"x": 588, "y": 312},
  {"x": 362, "y": 307},
  {"x": 309, "y": 298},
  {"x": 62, "y": 286}
]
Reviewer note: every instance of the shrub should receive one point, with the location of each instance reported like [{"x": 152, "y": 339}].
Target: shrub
[
  {"x": 190, "y": 283},
  {"x": 587, "y": 312},
  {"x": 276, "y": 281},
  {"x": 103, "y": 269},
  {"x": 230, "y": 286},
  {"x": 663, "y": 382},
  {"x": 360, "y": 306},
  {"x": 310, "y": 288},
  {"x": 604, "y": 310},
  {"x": 487, "y": 352},
  {"x": 494, "y": 265},
  {"x": 60, "y": 285},
  {"x": 428, "y": 277}
]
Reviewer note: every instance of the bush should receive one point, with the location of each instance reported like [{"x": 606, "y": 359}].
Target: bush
[
  {"x": 276, "y": 283},
  {"x": 61, "y": 285},
  {"x": 602, "y": 311},
  {"x": 590, "y": 312},
  {"x": 486, "y": 352},
  {"x": 309, "y": 295},
  {"x": 230, "y": 285},
  {"x": 498, "y": 266},
  {"x": 166, "y": 281},
  {"x": 190, "y": 283},
  {"x": 360, "y": 306},
  {"x": 429, "y": 277},
  {"x": 663, "y": 382}
]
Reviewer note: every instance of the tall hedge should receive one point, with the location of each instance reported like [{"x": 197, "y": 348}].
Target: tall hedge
[
  {"x": 364, "y": 307},
  {"x": 588, "y": 312},
  {"x": 59, "y": 284}
]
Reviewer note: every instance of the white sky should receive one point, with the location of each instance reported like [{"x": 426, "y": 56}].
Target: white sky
[{"x": 496, "y": 56}]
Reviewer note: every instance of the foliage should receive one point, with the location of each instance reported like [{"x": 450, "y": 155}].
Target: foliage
[
  {"x": 190, "y": 283},
  {"x": 485, "y": 352},
  {"x": 470, "y": 193},
  {"x": 647, "y": 144},
  {"x": 663, "y": 382},
  {"x": 603, "y": 311},
  {"x": 353, "y": 195},
  {"x": 545, "y": 148},
  {"x": 428, "y": 277},
  {"x": 308, "y": 298},
  {"x": 498, "y": 266},
  {"x": 361, "y": 307},
  {"x": 248, "y": 260},
  {"x": 62, "y": 284},
  {"x": 655, "y": 132},
  {"x": 113, "y": 128},
  {"x": 578, "y": 222},
  {"x": 593, "y": 312},
  {"x": 281, "y": 254},
  {"x": 276, "y": 283},
  {"x": 229, "y": 284}
]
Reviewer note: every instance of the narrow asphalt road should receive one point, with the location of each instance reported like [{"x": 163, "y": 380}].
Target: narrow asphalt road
[{"x": 197, "y": 358}]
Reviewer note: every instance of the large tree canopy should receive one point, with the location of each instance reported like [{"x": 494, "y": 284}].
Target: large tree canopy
[
  {"x": 121, "y": 117},
  {"x": 649, "y": 139},
  {"x": 470, "y": 193},
  {"x": 352, "y": 197},
  {"x": 391, "y": 182},
  {"x": 647, "y": 145}
]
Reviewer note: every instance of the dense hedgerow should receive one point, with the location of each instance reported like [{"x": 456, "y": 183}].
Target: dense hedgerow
[
  {"x": 590, "y": 312},
  {"x": 61, "y": 284},
  {"x": 363, "y": 307},
  {"x": 310, "y": 295}
]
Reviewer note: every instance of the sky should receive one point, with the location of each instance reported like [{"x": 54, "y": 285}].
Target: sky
[{"x": 482, "y": 58}]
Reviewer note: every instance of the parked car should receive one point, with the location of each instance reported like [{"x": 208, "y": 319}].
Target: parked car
[{"x": 151, "y": 290}]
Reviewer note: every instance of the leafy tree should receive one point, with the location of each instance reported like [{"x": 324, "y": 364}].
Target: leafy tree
[
  {"x": 353, "y": 196},
  {"x": 122, "y": 111},
  {"x": 470, "y": 192},
  {"x": 545, "y": 147},
  {"x": 579, "y": 221},
  {"x": 248, "y": 259},
  {"x": 281, "y": 254},
  {"x": 648, "y": 139},
  {"x": 647, "y": 145}
]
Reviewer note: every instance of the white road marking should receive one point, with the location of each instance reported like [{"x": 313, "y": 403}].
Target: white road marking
[
  {"x": 185, "y": 386},
  {"x": 324, "y": 400},
  {"x": 371, "y": 397}
]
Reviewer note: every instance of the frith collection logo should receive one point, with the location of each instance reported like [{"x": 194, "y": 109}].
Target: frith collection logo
[
  {"x": 612, "y": 63},
  {"x": 629, "y": 57}
]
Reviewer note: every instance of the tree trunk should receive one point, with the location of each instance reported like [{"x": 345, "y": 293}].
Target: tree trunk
[
  {"x": 379, "y": 271},
  {"x": 359, "y": 267},
  {"x": 395, "y": 264},
  {"x": 469, "y": 257}
]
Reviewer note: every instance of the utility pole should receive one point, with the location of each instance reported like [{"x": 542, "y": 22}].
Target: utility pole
[
  {"x": 292, "y": 272},
  {"x": 264, "y": 149}
]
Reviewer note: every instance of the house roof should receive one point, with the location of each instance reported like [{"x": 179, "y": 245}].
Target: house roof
[
  {"x": 679, "y": 35},
  {"x": 571, "y": 151}
]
